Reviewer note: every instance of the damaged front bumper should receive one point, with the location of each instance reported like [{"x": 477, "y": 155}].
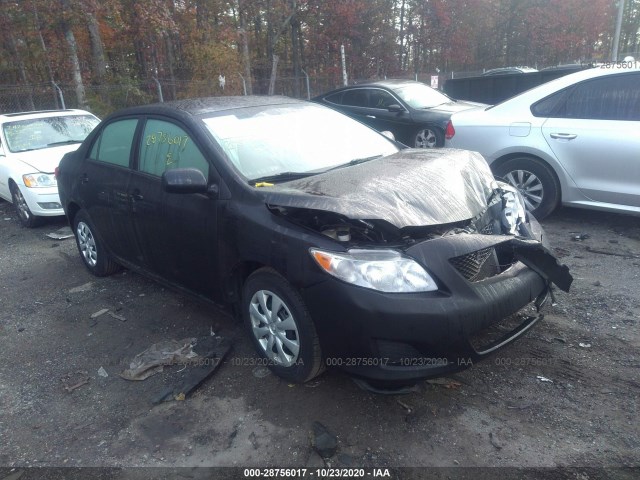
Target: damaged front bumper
[{"x": 392, "y": 337}]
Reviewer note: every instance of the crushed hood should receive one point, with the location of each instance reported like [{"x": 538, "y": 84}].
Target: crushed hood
[
  {"x": 46, "y": 159},
  {"x": 408, "y": 189}
]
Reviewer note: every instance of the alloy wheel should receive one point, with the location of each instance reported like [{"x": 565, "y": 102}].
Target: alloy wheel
[
  {"x": 426, "y": 139},
  {"x": 529, "y": 186},
  {"x": 87, "y": 244},
  {"x": 275, "y": 328},
  {"x": 21, "y": 205}
]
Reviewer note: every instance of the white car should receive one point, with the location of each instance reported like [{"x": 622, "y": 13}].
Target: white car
[
  {"x": 31, "y": 147},
  {"x": 573, "y": 141}
]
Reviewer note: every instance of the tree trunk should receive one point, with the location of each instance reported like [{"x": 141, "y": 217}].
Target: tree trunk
[
  {"x": 401, "y": 39},
  {"x": 45, "y": 53},
  {"x": 295, "y": 53},
  {"x": 274, "y": 70},
  {"x": 97, "y": 48},
  {"x": 73, "y": 56},
  {"x": 244, "y": 42},
  {"x": 22, "y": 72},
  {"x": 171, "y": 62}
]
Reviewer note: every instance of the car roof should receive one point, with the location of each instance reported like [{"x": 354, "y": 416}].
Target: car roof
[
  {"x": 206, "y": 105},
  {"x": 390, "y": 84},
  {"x": 565, "y": 81},
  {"x": 7, "y": 117}
]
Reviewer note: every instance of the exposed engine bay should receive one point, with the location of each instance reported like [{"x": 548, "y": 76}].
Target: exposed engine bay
[{"x": 502, "y": 216}]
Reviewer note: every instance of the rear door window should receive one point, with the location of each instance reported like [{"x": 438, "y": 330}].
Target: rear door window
[
  {"x": 114, "y": 143},
  {"x": 355, "y": 98},
  {"x": 615, "y": 97}
]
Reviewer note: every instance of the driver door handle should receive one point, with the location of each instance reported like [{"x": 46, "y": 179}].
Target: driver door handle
[
  {"x": 563, "y": 136},
  {"x": 370, "y": 116}
]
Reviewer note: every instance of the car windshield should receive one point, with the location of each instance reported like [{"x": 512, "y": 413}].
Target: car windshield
[
  {"x": 46, "y": 132},
  {"x": 293, "y": 139},
  {"x": 418, "y": 96}
]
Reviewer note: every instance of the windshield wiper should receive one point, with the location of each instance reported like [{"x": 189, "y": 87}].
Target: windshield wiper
[
  {"x": 355, "y": 161},
  {"x": 280, "y": 177},
  {"x": 64, "y": 142}
]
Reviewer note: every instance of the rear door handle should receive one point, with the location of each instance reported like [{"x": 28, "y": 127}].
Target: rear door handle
[
  {"x": 370, "y": 116},
  {"x": 563, "y": 136},
  {"x": 136, "y": 195}
]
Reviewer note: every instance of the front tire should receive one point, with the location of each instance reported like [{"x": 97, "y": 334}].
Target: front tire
[
  {"x": 536, "y": 182},
  {"x": 280, "y": 326},
  {"x": 428, "y": 137},
  {"x": 91, "y": 249},
  {"x": 26, "y": 217}
]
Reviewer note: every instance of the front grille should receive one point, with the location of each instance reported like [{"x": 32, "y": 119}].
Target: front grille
[{"x": 478, "y": 265}]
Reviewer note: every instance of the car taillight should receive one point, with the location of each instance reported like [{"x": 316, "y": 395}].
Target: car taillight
[
  {"x": 56, "y": 172},
  {"x": 450, "y": 131}
]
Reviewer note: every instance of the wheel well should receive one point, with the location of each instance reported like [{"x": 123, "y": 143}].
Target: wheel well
[
  {"x": 234, "y": 282},
  {"x": 430, "y": 126},
  {"x": 502, "y": 160},
  {"x": 72, "y": 210},
  {"x": 237, "y": 278}
]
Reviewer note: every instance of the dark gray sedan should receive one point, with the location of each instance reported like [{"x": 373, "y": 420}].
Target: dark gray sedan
[{"x": 416, "y": 114}]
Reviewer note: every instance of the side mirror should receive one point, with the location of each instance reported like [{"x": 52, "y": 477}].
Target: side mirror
[
  {"x": 184, "y": 180},
  {"x": 395, "y": 108}
]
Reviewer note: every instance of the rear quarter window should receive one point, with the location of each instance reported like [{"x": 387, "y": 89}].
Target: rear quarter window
[{"x": 335, "y": 98}]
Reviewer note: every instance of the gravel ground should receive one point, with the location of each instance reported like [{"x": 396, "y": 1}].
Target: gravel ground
[{"x": 566, "y": 395}]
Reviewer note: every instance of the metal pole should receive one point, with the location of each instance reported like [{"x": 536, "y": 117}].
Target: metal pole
[
  {"x": 60, "y": 95},
  {"x": 160, "y": 97},
  {"x": 244, "y": 84},
  {"x": 307, "y": 79},
  {"x": 345, "y": 80},
  {"x": 616, "y": 36}
]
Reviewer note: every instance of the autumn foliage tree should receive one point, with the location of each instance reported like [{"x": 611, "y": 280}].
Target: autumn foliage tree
[{"x": 110, "y": 53}]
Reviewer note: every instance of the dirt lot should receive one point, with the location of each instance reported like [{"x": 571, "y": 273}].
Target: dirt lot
[{"x": 565, "y": 395}]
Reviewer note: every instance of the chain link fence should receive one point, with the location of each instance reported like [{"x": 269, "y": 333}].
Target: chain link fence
[{"x": 103, "y": 99}]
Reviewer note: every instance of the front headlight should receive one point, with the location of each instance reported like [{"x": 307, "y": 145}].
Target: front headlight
[
  {"x": 514, "y": 210},
  {"x": 34, "y": 180},
  {"x": 382, "y": 270}
]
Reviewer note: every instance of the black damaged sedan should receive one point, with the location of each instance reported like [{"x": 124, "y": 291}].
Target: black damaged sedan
[{"x": 335, "y": 245}]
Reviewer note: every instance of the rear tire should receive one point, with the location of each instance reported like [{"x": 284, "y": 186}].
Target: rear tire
[
  {"x": 280, "y": 327},
  {"x": 428, "y": 137},
  {"x": 535, "y": 180},
  {"x": 26, "y": 217},
  {"x": 92, "y": 251}
]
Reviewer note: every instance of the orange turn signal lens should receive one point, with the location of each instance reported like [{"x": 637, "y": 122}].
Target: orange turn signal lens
[{"x": 323, "y": 259}]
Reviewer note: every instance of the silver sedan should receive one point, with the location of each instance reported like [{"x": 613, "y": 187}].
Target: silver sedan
[{"x": 573, "y": 141}]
